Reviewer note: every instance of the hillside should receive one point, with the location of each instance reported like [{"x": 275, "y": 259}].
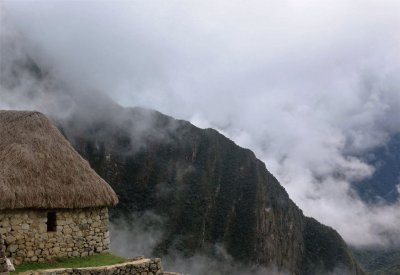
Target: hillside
[
  {"x": 379, "y": 261},
  {"x": 208, "y": 190}
]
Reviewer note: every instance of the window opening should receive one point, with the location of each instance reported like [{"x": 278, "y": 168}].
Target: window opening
[{"x": 51, "y": 222}]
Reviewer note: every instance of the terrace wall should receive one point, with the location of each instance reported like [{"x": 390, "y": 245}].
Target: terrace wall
[{"x": 138, "y": 267}]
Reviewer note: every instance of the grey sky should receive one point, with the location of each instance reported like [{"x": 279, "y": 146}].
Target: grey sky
[{"x": 305, "y": 84}]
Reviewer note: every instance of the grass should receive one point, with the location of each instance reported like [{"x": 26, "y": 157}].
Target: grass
[{"x": 90, "y": 261}]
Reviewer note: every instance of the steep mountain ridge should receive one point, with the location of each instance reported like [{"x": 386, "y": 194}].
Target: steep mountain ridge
[{"x": 209, "y": 191}]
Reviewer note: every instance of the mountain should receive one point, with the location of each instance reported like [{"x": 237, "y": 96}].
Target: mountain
[
  {"x": 208, "y": 191},
  {"x": 379, "y": 261},
  {"x": 381, "y": 188}
]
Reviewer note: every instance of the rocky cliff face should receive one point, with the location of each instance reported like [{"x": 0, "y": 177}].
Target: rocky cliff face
[{"x": 208, "y": 190}]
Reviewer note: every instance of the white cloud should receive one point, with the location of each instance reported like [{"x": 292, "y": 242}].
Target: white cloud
[{"x": 305, "y": 84}]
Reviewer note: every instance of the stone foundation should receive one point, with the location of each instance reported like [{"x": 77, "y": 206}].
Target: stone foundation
[
  {"x": 139, "y": 267},
  {"x": 78, "y": 233},
  {"x": 3, "y": 262}
]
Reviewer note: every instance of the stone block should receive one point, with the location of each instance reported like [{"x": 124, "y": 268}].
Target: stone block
[
  {"x": 25, "y": 226},
  {"x": 10, "y": 239},
  {"x": 12, "y": 248}
]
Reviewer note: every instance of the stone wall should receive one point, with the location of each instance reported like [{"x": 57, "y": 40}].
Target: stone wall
[
  {"x": 3, "y": 262},
  {"x": 79, "y": 232},
  {"x": 139, "y": 267}
]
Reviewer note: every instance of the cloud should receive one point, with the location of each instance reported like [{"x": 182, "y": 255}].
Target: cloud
[
  {"x": 308, "y": 85},
  {"x": 144, "y": 232},
  {"x": 201, "y": 264},
  {"x": 138, "y": 237}
]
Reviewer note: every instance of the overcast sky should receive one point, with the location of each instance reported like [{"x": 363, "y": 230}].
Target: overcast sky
[{"x": 306, "y": 84}]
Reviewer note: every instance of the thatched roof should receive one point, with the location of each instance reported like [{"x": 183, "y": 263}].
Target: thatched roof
[{"x": 40, "y": 169}]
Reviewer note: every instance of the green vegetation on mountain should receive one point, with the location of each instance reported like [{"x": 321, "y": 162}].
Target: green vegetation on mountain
[
  {"x": 208, "y": 191},
  {"x": 379, "y": 261},
  {"x": 324, "y": 249}
]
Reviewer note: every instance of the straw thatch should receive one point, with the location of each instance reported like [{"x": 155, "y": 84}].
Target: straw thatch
[{"x": 40, "y": 169}]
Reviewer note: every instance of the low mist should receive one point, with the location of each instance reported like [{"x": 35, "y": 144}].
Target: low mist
[{"x": 140, "y": 234}]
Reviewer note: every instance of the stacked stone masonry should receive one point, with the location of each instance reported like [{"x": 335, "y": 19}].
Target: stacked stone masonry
[
  {"x": 139, "y": 267},
  {"x": 78, "y": 233},
  {"x": 3, "y": 261}
]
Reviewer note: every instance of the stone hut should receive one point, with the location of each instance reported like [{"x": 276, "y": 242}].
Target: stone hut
[{"x": 52, "y": 204}]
